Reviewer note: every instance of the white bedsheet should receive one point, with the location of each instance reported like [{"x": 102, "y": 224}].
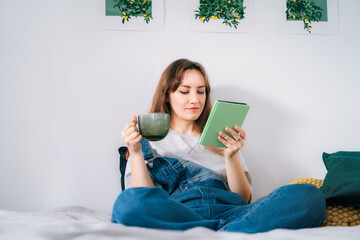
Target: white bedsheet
[{"x": 84, "y": 224}]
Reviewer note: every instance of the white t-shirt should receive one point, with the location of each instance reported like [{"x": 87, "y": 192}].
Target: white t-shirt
[{"x": 176, "y": 145}]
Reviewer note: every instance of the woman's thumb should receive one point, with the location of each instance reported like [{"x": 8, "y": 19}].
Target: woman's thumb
[{"x": 134, "y": 119}]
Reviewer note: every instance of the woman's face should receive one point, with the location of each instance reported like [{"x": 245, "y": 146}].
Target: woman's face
[{"x": 187, "y": 102}]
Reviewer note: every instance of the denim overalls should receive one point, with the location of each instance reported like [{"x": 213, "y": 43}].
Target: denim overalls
[{"x": 194, "y": 196}]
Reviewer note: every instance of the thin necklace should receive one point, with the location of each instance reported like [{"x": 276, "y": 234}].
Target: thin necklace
[{"x": 185, "y": 139}]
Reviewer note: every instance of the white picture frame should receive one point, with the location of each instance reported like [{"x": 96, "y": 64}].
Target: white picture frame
[
  {"x": 246, "y": 25},
  {"x": 114, "y": 23},
  {"x": 297, "y": 27}
]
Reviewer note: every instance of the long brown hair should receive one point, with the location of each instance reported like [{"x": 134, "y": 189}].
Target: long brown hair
[{"x": 170, "y": 81}]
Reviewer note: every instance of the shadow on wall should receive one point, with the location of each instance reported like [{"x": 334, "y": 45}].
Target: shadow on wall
[{"x": 269, "y": 128}]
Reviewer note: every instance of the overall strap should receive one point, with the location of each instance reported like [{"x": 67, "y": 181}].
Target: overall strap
[
  {"x": 122, "y": 151},
  {"x": 146, "y": 149},
  {"x": 147, "y": 152}
]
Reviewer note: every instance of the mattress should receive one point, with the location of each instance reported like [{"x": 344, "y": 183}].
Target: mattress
[{"x": 75, "y": 222}]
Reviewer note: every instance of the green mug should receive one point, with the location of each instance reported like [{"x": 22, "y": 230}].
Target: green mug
[{"x": 154, "y": 126}]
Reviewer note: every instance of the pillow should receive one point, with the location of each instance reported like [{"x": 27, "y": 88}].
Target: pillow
[
  {"x": 336, "y": 215},
  {"x": 342, "y": 181}
]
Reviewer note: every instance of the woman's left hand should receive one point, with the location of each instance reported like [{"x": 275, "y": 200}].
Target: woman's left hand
[{"x": 233, "y": 144}]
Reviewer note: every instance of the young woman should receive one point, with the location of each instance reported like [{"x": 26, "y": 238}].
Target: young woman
[{"x": 178, "y": 184}]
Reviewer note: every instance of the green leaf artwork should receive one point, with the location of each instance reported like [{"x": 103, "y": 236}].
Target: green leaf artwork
[
  {"x": 129, "y": 8},
  {"x": 230, "y": 11},
  {"x": 307, "y": 11}
]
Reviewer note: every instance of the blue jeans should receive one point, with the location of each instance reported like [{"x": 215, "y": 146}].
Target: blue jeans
[{"x": 191, "y": 196}]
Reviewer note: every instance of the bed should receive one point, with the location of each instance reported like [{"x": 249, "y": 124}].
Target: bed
[
  {"x": 341, "y": 188},
  {"x": 75, "y": 222}
]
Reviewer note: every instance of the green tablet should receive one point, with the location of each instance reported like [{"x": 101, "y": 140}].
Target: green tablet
[{"x": 223, "y": 114}]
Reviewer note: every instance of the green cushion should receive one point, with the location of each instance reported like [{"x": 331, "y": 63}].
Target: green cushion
[{"x": 342, "y": 181}]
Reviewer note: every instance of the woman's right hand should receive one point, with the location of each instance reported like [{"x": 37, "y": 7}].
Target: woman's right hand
[
  {"x": 140, "y": 176},
  {"x": 131, "y": 136}
]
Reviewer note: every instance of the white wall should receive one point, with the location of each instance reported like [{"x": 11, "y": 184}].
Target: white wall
[{"x": 67, "y": 89}]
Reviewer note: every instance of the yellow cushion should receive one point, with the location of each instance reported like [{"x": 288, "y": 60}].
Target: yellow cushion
[{"x": 337, "y": 215}]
